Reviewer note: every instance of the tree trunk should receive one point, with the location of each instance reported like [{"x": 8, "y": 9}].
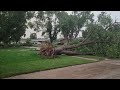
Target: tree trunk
[
  {"x": 64, "y": 49},
  {"x": 49, "y": 51}
]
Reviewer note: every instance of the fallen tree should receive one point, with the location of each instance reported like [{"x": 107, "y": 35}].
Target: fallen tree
[
  {"x": 48, "y": 50},
  {"x": 94, "y": 32}
]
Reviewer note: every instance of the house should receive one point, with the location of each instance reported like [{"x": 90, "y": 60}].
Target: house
[
  {"x": 38, "y": 41},
  {"x": 35, "y": 41},
  {"x": 22, "y": 41}
]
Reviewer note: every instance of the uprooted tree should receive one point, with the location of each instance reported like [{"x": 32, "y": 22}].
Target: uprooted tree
[
  {"x": 102, "y": 35},
  {"x": 48, "y": 50},
  {"x": 96, "y": 34}
]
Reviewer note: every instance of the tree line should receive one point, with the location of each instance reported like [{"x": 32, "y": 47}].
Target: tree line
[{"x": 13, "y": 25}]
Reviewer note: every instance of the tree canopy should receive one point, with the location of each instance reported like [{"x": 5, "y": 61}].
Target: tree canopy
[
  {"x": 13, "y": 25},
  {"x": 105, "y": 30}
]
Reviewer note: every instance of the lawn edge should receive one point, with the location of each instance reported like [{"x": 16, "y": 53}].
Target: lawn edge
[{"x": 5, "y": 77}]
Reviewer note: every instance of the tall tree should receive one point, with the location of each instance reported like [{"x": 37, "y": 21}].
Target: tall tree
[
  {"x": 13, "y": 25},
  {"x": 46, "y": 22},
  {"x": 70, "y": 25},
  {"x": 99, "y": 28}
]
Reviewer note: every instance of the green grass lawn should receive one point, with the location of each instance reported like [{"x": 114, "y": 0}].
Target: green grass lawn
[
  {"x": 93, "y": 57},
  {"x": 19, "y": 61}
]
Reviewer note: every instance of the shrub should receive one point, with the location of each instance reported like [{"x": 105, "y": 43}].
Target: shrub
[
  {"x": 76, "y": 41},
  {"x": 113, "y": 51},
  {"x": 28, "y": 43}
]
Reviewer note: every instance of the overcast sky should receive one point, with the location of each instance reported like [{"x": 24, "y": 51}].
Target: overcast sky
[{"x": 114, "y": 15}]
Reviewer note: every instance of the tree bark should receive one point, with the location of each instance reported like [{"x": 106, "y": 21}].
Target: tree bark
[{"x": 64, "y": 49}]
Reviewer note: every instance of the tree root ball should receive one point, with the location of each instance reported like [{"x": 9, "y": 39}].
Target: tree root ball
[{"x": 47, "y": 50}]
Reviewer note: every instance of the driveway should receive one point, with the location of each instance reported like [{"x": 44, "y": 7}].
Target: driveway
[{"x": 107, "y": 69}]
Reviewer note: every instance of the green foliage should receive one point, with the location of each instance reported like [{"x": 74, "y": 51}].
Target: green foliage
[
  {"x": 104, "y": 19},
  {"x": 107, "y": 32},
  {"x": 75, "y": 41},
  {"x": 14, "y": 45},
  {"x": 53, "y": 22},
  {"x": 47, "y": 23},
  {"x": 28, "y": 42},
  {"x": 12, "y": 25},
  {"x": 84, "y": 49},
  {"x": 70, "y": 25},
  {"x": 113, "y": 51}
]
